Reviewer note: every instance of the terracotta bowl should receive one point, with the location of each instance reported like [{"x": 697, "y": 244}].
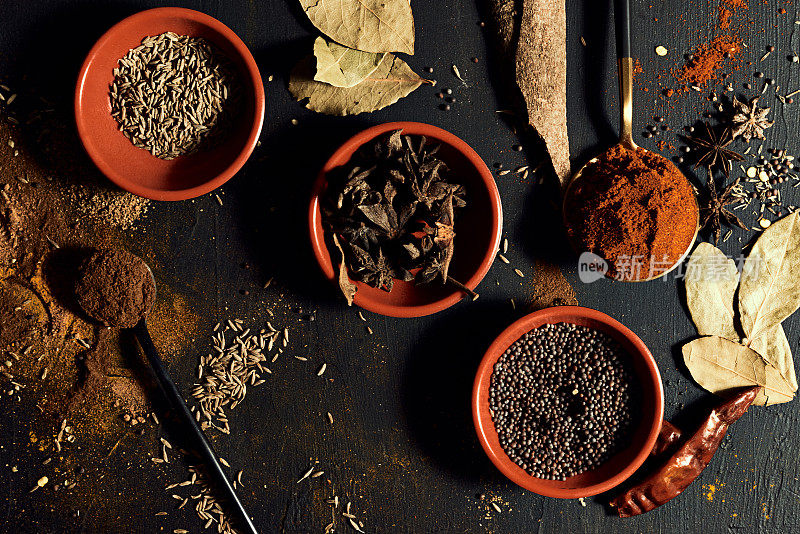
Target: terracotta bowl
[
  {"x": 620, "y": 466},
  {"x": 478, "y": 226},
  {"x": 135, "y": 169}
]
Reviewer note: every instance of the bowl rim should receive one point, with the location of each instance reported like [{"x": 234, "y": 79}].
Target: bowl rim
[
  {"x": 253, "y": 83},
  {"x": 414, "y": 128},
  {"x": 498, "y": 456}
]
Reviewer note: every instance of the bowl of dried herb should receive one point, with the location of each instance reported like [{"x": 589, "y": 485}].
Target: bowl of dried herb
[
  {"x": 406, "y": 218},
  {"x": 169, "y": 104}
]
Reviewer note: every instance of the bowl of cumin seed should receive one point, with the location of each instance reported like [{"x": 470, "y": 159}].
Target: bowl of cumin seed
[{"x": 169, "y": 104}]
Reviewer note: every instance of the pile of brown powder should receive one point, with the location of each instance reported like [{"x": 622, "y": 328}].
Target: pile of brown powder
[
  {"x": 115, "y": 287},
  {"x": 632, "y": 208}
]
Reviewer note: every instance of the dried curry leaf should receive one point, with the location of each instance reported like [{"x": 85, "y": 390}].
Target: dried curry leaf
[
  {"x": 348, "y": 288},
  {"x": 340, "y": 66},
  {"x": 368, "y": 25},
  {"x": 711, "y": 280},
  {"x": 391, "y": 81},
  {"x": 769, "y": 291},
  {"x": 718, "y": 365},
  {"x": 774, "y": 347}
]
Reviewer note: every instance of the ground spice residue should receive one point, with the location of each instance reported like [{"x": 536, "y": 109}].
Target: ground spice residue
[
  {"x": 550, "y": 287},
  {"x": 54, "y": 206},
  {"x": 707, "y": 60},
  {"x": 632, "y": 206},
  {"x": 726, "y": 9}
]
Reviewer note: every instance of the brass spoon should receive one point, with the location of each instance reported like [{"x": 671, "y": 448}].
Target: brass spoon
[
  {"x": 625, "y": 73},
  {"x": 175, "y": 398}
]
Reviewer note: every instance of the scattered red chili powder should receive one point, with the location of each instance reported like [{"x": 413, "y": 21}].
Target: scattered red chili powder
[
  {"x": 632, "y": 206},
  {"x": 726, "y": 9},
  {"x": 708, "y": 58},
  {"x": 725, "y": 15}
]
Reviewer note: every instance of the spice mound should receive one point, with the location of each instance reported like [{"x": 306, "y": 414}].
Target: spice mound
[
  {"x": 392, "y": 210},
  {"x": 174, "y": 95},
  {"x": 634, "y": 209},
  {"x": 115, "y": 287},
  {"x": 563, "y": 400}
]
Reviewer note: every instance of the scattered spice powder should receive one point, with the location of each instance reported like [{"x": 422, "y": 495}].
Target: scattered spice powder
[
  {"x": 707, "y": 60},
  {"x": 632, "y": 206}
]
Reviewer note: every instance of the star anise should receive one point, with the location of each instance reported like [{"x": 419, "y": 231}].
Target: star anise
[
  {"x": 712, "y": 149},
  {"x": 749, "y": 121},
  {"x": 714, "y": 211}
]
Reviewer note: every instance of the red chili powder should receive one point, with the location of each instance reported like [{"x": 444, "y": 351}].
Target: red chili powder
[
  {"x": 632, "y": 205},
  {"x": 707, "y": 60},
  {"x": 726, "y": 9}
]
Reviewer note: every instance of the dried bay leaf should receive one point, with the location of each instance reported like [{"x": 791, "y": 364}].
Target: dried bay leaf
[
  {"x": 391, "y": 81},
  {"x": 711, "y": 280},
  {"x": 718, "y": 364},
  {"x": 345, "y": 284},
  {"x": 368, "y": 25},
  {"x": 769, "y": 291},
  {"x": 340, "y": 66},
  {"x": 774, "y": 347},
  {"x": 542, "y": 76}
]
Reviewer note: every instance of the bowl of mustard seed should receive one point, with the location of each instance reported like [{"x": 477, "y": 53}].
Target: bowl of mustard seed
[
  {"x": 568, "y": 402},
  {"x": 169, "y": 104}
]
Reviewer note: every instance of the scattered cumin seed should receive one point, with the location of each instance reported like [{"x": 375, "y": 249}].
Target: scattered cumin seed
[{"x": 306, "y": 475}]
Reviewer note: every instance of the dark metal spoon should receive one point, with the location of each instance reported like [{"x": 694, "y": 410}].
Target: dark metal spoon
[
  {"x": 622, "y": 19},
  {"x": 175, "y": 398}
]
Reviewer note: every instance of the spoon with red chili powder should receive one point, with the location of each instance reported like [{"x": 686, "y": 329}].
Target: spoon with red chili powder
[
  {"x": 630, "y": 206},
  {"x": 117, "y": 289}
]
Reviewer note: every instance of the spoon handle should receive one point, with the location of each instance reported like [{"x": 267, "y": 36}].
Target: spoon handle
[
  {"x": 622, "y": 20},
  {"x": 203, "y": 446}
]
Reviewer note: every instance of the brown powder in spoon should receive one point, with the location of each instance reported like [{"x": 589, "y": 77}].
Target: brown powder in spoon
[{"x": 115, "y": 287}]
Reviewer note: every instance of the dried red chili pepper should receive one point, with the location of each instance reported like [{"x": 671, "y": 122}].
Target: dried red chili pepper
[
  {"x": 688, "y": 462},
  {"x": 667, "y": 437}
]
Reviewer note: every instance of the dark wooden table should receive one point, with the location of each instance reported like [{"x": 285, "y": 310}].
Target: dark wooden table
[{"x": 402, "y": 448}]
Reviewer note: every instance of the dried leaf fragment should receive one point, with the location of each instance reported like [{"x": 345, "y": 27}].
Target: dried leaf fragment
[
  {"x": 718, "y": 364},
  {"x": 348, "y": 287},
  {"x": 368, "y": 25},
  {"x": 711, "y": 280},
  {"x": 340, "y": 66},
  {"x": 774, "y": 347},
  {"x": 769, "y": 291},
  {"x": 391, "y": 81}
]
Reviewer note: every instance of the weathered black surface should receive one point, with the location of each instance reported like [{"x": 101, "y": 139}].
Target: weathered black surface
[{"x": 402, "y": 447}]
